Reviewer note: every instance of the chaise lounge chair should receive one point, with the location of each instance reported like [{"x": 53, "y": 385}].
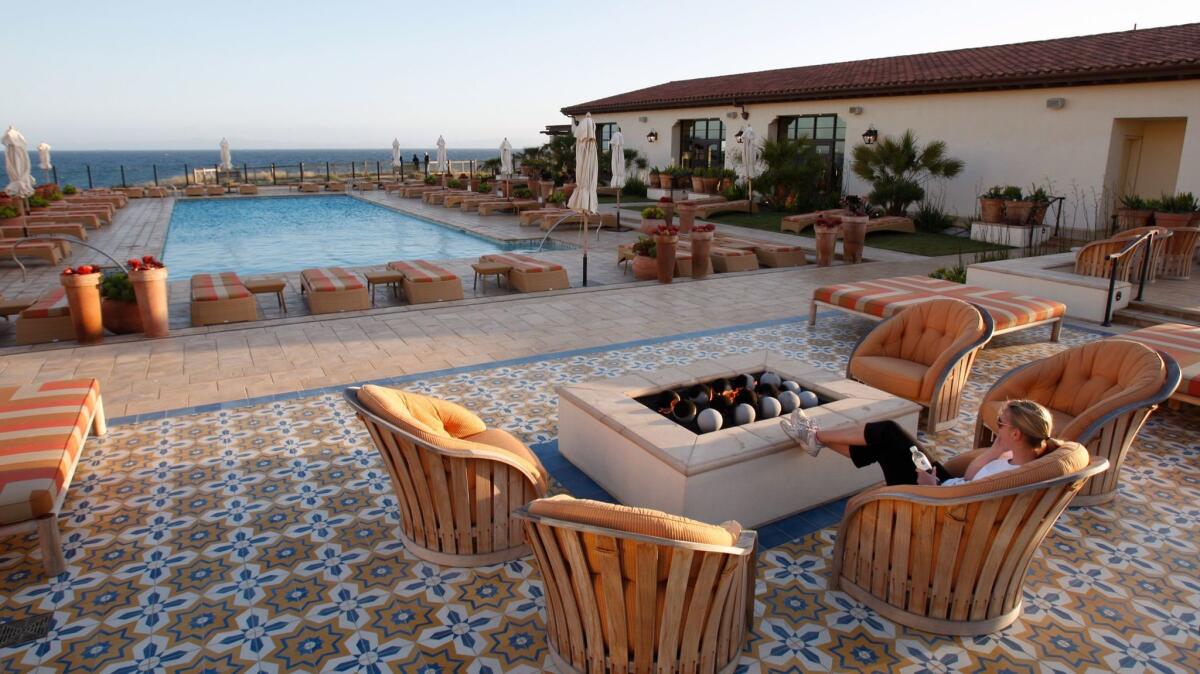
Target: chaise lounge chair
[
  {"x": 156, "y": 192},
  {"x": 603, "y": 220},
  {"x": 639, "y": 590},
  {"x": 725, "y": 260},
  {"x": 333, "y": 289},
  {"x": 46, "y": 320},
  {"x": 770, "y": 254},
  {"x": 952, "y": 560},
  {"x": 887, "y": 223},
  {"x": 427, "y": 282},
  {"x": 194, "y": 191},
  {"x": 1099, "y": 394},
  {"x": 456, "y": 480},
  {"x": 1182, "y": 343},
  {"x": 683, "y": 260},
  {"x": 529, "y": 274},
  {"x": 50, "y": 252},
  {"x": 221, "y": 298},
  {"x": 51, "y": 217},
  {"x": 502, "y": 205},
  {"x": 41, "y": 227},
  {"x": 534, "y": 216}
]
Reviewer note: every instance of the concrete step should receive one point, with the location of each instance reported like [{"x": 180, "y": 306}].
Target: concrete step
[
  {"x": 1142, "y": 318},
  {"x": 1185, "y": 313}
]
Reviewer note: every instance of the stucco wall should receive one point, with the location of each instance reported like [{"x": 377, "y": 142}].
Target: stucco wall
[{"x": 1005, "y": 137}]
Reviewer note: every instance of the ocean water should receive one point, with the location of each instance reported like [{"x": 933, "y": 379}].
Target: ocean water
[
  {"x": 140, "y": 165},
  {"x": 278, "y": 234}
]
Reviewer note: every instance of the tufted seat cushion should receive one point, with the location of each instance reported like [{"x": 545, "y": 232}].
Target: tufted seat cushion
[
  {"x": 906, "y": 354},
  {"x": 1082, "y": 384},
  {"x": 644, "y": 521}
]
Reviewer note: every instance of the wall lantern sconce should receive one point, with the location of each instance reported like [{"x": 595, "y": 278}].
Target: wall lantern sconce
[
  {"x": 652, "y": 137},
  {"x": 745, "y": 115},
  {"x": 870, "y": 136},
  {"x": 738, "y": 136}
]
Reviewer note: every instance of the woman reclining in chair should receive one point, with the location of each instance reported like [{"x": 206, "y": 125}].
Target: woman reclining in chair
[{"x": 1022, "y": 435}]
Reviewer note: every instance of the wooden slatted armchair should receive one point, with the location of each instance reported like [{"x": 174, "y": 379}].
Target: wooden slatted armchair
[
  {"x": 1180, "y": 253},
  {"x": 952, "y": 560},
  {"x": 1092, "y": 259},
  {"x": 457, "y": 482},
  {"x": 924, "y": 354},
  {"x": 1099, "y": 395},
  {"x": 641, "y": 591},
  {"x": 1157, "y": 249}
]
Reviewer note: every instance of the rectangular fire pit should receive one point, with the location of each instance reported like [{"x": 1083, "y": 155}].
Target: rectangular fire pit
[{"x": 753, "y": 473}]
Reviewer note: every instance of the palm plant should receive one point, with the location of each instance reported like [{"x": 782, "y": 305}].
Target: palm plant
[
  {"x": 792, "y": 174},
  {"x": 899, "y": 168}
]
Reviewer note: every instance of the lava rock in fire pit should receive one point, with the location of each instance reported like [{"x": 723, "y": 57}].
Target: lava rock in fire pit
[
  {"x": 745, "y": 381},
  {"x": 667, "y": 400},
  {"x": 746, "y": 397},
  {"x": 699, "y": 394},
  {"x": 765, "y": 389},
  {"x": 684, "y": 412}
]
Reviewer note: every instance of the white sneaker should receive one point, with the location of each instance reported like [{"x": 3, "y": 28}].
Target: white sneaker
[{"x": 803, "y": 429}]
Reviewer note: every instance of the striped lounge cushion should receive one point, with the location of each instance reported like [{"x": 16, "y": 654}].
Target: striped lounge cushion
[
  {"x": 42, "y": 429},
  {"x": 51, "y": 305},
  {"x": 420, "y": 271},
  {"x": 522, "y": 263},
  {"x": 331, "y": 279},
  {"x": 221, "y": 286},
  {"x": 1181, "y": 342},
  {"x": 884, "y": 297},
  {"x": 763, "y": 245}
]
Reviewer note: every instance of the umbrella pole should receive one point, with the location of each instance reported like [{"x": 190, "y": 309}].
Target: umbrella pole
[{"x": 585, "y": 247}]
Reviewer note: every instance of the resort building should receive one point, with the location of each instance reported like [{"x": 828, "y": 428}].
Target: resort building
[{"x": 1098, "y": 116}]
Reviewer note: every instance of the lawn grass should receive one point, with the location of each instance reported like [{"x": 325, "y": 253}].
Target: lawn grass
[{"x": 929, "y": 244}]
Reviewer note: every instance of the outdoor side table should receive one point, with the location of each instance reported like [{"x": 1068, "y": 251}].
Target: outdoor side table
[
  {"x": 268, "y": 285},
  {"x": 389, "y": 277},
  {"x": 486, "y": 269}
]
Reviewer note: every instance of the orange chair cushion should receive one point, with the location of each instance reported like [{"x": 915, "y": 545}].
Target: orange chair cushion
[
  {"x": 643, "y": 521},
  {"x": 502, "y": 439},
  {"x": 895, "y": 375},
  {"x": 438, "y": 418}
]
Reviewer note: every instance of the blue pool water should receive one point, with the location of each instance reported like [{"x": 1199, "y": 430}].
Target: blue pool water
[{"x": 277, "y": 234}]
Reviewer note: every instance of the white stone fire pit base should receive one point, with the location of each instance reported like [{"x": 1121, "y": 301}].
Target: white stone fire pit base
[{"x": 754, "y": 473}]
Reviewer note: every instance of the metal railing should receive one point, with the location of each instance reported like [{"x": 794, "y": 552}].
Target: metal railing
[{"x": 1146, "y": 239}]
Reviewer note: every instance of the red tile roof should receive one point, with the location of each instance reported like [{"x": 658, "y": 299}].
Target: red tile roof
[{"x": 1172, "y": 52}]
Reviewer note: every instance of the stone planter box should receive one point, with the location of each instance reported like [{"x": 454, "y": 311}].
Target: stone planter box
[{"x": 752, "y": 473}]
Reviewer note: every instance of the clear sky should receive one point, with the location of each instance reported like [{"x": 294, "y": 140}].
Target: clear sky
[{"x": 299, "y": 74}]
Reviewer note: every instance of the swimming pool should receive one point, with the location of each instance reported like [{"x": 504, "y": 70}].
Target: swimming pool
[{"x": 275, "y": 234}]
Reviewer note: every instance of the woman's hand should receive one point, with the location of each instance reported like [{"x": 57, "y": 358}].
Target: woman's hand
[{"x": 927, "y": 479}]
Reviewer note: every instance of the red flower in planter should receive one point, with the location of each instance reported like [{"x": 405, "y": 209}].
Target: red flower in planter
[
  {"x": 68, "y": 272},
  {"x": 704, "y": 227}
]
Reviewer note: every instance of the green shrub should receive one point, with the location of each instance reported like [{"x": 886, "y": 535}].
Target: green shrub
[
  {"x": 454, "y": 184},
  {"x": 522, "y": 192},
  {"x": 645, "y": 247},
  {"x": 956, "y": 273},
  {"x": 654, "y": 213},
  {"x": 7, "y": 212},
  {"x": 930, "y": 218},
  {"x": 557, "y": 197},
  {"x": 38, "y": 202},
  {"x": 485, "y": 188},
  {"x": 69, "y": 189},
  {"x": 995, "y": 192},
  {"x": 1038, "y": 194},
  {"x": 1133, "y": 202},
  {"x": 1011, "y": 192},
  {"x": 56, "y": 196},
  {"x": 430, "y": 180},
  {"x": 634, "y": 187},
  {"x": 117, "y": 286},
  {"x": 1184, "y": 202},
  {"x": 898, "y": 169},
  {"x": 734, "y": 192}
]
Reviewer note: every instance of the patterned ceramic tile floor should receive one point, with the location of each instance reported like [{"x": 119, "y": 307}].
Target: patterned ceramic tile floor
[{"x": 262, "y": 538}]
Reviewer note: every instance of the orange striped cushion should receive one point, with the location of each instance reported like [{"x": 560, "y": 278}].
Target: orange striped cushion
[
  {"x": 214, "y": 293},
  {"x": 42, "y": 429},
  {"x": 1181, "y": 342},
  {"x": 331, "y": 279},
  {"x": 225, "y": 278},
  {"x": 765, "y": 245},
  {"x": 884, "y": 297},
  {"x": 420, "y": 271},
  {"x": 522, "y": 263},
  {"x": 51, "y": 305}
]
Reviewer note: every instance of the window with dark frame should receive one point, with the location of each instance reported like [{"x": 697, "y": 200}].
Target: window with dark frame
[
  {"x": 827, "y": 133},
  {"x": 702, "y": 143},
  {"x": 604, "y": 133}
]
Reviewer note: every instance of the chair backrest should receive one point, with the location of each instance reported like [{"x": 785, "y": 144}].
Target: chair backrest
[
  {"x": 455, "y": 497},
  {"x": 925, "y": 331},
  {"x": 1092, "y": 259},
  {"x": 617, "y": 600}
]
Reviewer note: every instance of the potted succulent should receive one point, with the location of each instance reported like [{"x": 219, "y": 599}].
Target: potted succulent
[
  {"x": 567, "y": 190},
  {"x": 454, "y": 184},
  {"x": 10, "y": 216},
  {"x": 431, "y": 180},
  {"x": 38, "y": 202},
  {"x": 665, "y": 177},
  {"x": 118, "y": 304},
  {"x": 653, "y": 218},
  {"x": 683, "y": 177},
  {"x": 1016, "y": 207},
  {"x": 712, "y": 179},
  {"x": 698, "y": 180},
  {"x": 991, "y": 205},
  {"x": 558, "y": 198},
  {"x": 1133, "y": 212},
  {"x": 522, "y": 193},
  {"x": 1173, "y": 210},
  {"x": 485, "y": 188},
  {"x": 854, "y": 228},
  {"x": 149, "y": 278},
  {"x": 826, "y": 230},
  {"x": 83, "y": 298},
  {"x": 666, "y": 238},
  {"x": 701, "y": 237},
  {"x": 69, "y": 190},
  {"x": 1040, "y": 199},
  {"x": 644, "y": 266}
]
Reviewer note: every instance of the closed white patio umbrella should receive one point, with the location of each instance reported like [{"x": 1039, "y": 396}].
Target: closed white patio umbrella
[
  {"x": 506, "y": 165},
  {"x": 749, "y": 160},
  {"x": 441, "y": 155},
  {"x": 226, "y": 158},
  {"x": 397, "y": 162},
  {"x": 44, "y": 160},
  {"x": 587, "y": 174},
  {"x": 16, "y": 164},
  {"x": 616, "y": 146}
]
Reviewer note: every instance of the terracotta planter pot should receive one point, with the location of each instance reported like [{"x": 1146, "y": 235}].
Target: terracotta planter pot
[
  {"x": 18, "y": 221},
  {"x": 826, "y": 241},
  {"x": 665, "y": 181},
  {"x": 83, "y": 296},
  {"x": 1162, "y": 219},
  {"x": 650, "y": 225},
  {"x": 150, "y": 286},
  {"x": 1037, "y": 215},
  {"x": 854, "y": 236},
  {"x": 697, "y": 184},
  {"x": 991, "y": 210},
  {"x": 710, "y": 185},
  {"x": 687, "y": 218},
  {"x": 644, "y": 268},
  {"x": 668, "y": 210},
  {"x": 568, "y": 190},
  {"x": 1017, "y": 212},
  {"x": 665, "y": 247},
  {"x": 701, "y": 245},
  {"x": 1128, "y": 218},
  {"x": 725, "y": 184},
  {"x": 120, "y": 318},
  {"x": 474, "y": 184}
]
